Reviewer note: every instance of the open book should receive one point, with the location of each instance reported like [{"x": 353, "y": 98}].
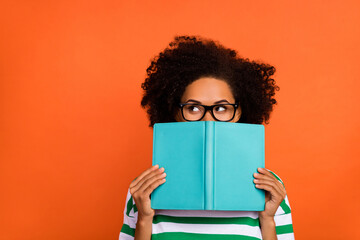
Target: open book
[{"x": 209, "y": 165}]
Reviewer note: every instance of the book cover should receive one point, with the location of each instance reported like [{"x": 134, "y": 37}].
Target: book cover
[{"x": 209, "y": 165}]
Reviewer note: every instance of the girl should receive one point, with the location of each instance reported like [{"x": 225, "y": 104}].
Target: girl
[{"x": 190, "y": 74}]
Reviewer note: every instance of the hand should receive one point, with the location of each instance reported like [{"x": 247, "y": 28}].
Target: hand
[
  {"x": 274, "y": 195},
  {"x": 143, "y": 186}
]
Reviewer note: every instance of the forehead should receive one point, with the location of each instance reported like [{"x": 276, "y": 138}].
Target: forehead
[{"x": 208, "y": 90}]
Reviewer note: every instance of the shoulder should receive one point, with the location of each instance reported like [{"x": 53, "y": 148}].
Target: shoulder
[
  {"x": 130, "y": 207},
  {"x": 130, "y": 218}
]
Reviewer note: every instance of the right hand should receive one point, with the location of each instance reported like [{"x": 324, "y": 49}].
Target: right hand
[{"x": 143, "y": 186}]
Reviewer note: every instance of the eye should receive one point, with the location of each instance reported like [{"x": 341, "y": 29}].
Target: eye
[
  {"x": 220, "y": 108},
  {"x": 194, "y": 108}
]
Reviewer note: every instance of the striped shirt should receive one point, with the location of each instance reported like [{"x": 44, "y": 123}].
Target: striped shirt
[{"x": 206, "y": 224}]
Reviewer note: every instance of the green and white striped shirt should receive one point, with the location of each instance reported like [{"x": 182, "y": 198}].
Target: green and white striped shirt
[{"x": 204, "y": 224}]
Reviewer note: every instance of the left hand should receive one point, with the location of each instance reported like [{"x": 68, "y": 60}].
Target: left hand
[{"x": 274, "y": 195}]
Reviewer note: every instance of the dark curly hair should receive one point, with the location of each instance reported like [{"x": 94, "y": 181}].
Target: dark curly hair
[{"x": 189, "y": 58}]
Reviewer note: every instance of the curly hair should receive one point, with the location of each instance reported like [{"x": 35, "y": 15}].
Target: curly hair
[{"x": 189, "y": 58}]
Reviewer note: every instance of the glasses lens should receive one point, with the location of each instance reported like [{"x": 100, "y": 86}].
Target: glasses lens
[
  {"x": 193, "y": 112},
  {"x": 223, "y": 112}
]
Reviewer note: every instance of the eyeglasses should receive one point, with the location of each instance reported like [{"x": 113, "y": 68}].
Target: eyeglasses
[{"x": 196, "y": 112}]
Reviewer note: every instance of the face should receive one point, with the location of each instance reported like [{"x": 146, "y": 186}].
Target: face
[{"x": 208, "y": 91}]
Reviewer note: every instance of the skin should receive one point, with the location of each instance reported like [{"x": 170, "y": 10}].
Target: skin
[{"x": 207, "y": 91}]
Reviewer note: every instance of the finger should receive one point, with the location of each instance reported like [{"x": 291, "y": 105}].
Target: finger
[
  {"x": 272, "y": 183},
  {"x": 271, "y": 190},
  {"x": 139, "y": 195},
  {"x": 264, "y": 173},
  {"x": 148, "y": 176},
  {"x": 263, "y": 176},
  {"x": 276, "y": 194},
  {"x": 137, "y": 180},
  {"x": 150, "y": 181},
  {"x": 153, "y": 186},
  {"x": 259, "y": 176}
]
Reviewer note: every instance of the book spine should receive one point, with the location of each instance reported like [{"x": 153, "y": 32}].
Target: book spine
[{"x": 209, "y": 165}]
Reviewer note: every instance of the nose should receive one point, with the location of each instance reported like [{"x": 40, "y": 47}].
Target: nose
[{"x": 208, "y": 117}]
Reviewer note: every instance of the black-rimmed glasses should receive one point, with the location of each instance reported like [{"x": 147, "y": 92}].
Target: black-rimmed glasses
[{"x": 196, "y": 112}]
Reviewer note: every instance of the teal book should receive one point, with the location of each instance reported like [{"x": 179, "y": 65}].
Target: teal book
[{"x": 209, "y": 165}]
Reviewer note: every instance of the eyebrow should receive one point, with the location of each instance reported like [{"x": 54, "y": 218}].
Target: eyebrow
[{"x": 217, "y": 102}]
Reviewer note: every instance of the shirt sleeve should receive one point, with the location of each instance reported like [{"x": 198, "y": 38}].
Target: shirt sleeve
[
  {"x": 283, "y": 220},
  {"x": 130, "y": 218}
]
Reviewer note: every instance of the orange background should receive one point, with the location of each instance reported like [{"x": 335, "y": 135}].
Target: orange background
[{"x": 73, "y": 134}]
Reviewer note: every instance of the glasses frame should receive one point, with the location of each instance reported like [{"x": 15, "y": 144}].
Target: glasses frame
[{"x": 208, "y": 108}]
